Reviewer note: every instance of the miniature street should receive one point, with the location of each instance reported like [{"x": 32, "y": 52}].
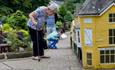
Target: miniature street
[{"x": 61, "y": 59}]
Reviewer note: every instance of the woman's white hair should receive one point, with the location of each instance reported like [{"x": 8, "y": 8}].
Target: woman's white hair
[{"x": 53, "y": 6}]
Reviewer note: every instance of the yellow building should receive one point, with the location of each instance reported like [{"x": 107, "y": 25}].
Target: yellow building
[{"x": 94, "y": 33}]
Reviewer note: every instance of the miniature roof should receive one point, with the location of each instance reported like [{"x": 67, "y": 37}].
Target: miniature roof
[{"x": 94, "y": 7}]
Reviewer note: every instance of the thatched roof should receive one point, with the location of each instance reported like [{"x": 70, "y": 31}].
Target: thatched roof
[{"x": 94, "y": 7}]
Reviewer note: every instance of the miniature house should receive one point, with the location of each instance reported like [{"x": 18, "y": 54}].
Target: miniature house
[{"x": 94, "y": 33}]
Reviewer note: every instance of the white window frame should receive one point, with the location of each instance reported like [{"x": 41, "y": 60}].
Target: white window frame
[
  {"x": 87, "y": 20},
  {"x": 104, "y": 49}
]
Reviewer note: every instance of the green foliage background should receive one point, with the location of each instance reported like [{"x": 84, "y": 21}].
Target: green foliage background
[{"x": 14, "y": 16}]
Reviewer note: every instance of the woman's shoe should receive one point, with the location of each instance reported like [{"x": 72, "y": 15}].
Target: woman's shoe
[{"x": 35, "y": 57}]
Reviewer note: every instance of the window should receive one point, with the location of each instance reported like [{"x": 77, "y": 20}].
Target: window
[
  {"x": 112, "y": 17},
  {"x": 87, "y": 20},
  {"x": 88, "y": 37},
  {"x": 78, "y": 37},
  {"x": 107, "y": 55},
  {"x": 111, "y": 36},
  {"x": 89, "y": 58}
]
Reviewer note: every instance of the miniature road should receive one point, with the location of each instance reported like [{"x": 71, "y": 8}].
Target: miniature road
[{"x": 61, "y": 59}]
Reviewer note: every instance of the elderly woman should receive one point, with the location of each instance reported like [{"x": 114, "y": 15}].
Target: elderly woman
[{"x": 35, "y": 25}]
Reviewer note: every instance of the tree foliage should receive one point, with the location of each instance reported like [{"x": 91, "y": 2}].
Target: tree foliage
[
  {"x": 11, "y": 6},
  {"x": 68, "y": 16}
]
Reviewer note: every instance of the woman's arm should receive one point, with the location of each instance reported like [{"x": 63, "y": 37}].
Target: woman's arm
[{"x": 32, "y": 17}]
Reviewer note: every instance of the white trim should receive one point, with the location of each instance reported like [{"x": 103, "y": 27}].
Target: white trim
[
  {"x": 113, "y": 4},
  {"x": 106, "y": 48}
]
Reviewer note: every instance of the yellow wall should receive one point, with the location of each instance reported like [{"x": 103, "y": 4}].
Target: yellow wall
[
  {"x": 102, "y": 34},
  {"x": 100, "y": 26},
  {"x": 87, "y": 49}
]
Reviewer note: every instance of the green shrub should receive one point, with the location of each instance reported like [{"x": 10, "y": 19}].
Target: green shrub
[
  {"x": 7, "y": 28},
  {"x": 17, "y": 20},
  {"x": 25, "y": 32},
  {"x": 13, "y": 40},
  {"x": 58, "y": 24}
]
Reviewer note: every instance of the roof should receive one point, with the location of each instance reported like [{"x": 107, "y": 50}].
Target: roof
[{"x": 94, "y": 7}]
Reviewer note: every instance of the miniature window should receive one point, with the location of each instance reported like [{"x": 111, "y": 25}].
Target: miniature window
[
  {"x": 89, "y": 58},
  {"x": 112, "y": 17},
  {"x": 111, "y": 36},
  {"x": 107, "y": 55},
  {"x": 78, "y": 37},
  {"x": 88, "y": 37},
  {"x": 87, "y": 20}
]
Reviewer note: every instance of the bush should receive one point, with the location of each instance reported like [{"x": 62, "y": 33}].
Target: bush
[
  {"x": 7, "y": 28},
  {"x": 13, "y": 40},
  {"x": 17, "y": 20},
  {"x": 58, "y": 24},
  {"x": 25, "y": 32}
]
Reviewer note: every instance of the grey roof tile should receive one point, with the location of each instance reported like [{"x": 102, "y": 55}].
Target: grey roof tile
[{"x": 94, "y": 7}]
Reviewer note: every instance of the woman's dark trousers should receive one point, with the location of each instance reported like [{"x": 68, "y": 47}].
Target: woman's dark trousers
[{"x": 33, "y": 35}]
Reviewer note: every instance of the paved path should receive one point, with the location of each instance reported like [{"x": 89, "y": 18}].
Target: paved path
[{"x": 61, "y": 59}]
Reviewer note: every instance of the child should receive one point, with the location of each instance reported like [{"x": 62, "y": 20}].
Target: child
[{"x": 53, "y": 40}]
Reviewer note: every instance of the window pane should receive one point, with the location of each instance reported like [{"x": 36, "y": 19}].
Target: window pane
[
  {"x": 110, "y": 15},
  {"x": 114, "y": 19},
  {"x": 101, "y": 52},
  {"x": 112, "y": 51},
  {"x": 114, "y": 40},
  {"x": 113, "y": 32},
  {"x": 79, "y": 40},
  {"x": 114, "y": 15},
  {"x": 89, "y": 56},
  {"x": 110, "y": 40},
  {"x": 110, "y": 19},
  {"x": 78, "y": 33},
  {"x": 89, "y": 62},
  {"x": 112, "y": 58},
  {"x": 110, "y": 32},
  {"x": 102, "y": 59},
  {"x": 107, "y": 58},
  {"x": 107, "y": 51}
]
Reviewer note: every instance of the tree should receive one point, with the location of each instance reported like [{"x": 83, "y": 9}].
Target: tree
[
  {"x": 11, "y": 6},
  {"x": 36, "y": 3},
  {"x": 62, "y": 12},
  {"x": 68, "y": 17},
  {"x": 70, "y": 5}
]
